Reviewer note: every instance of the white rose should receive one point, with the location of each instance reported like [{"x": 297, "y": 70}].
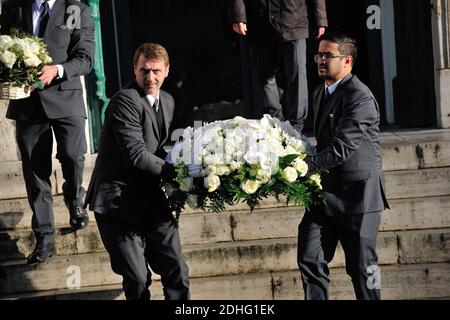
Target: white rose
[
  {"x": 316, "y": 179},
  {"x": 211, "y": 182},
  {"x": 24, "y": 46},
  {"x": 32, "y": 61},
  {"x": 6, "y": 42},
  {"x": 192, "y": 201},
  {"x": 250, "y": 186},
  {"x": 186, "y": 184},
  {"x": 289, "y": 174},
  {"x": 301, "y": 166},
  {"x": 34, "y": 47},
  {"x": 8, "y": 58}
]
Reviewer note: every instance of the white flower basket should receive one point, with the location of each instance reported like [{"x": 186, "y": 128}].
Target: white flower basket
[{"x": 12, "y": 91}]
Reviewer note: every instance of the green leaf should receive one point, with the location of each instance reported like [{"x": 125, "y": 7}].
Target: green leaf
[
  {"x": 39, "y": 85},
  {"x": 285, "y": 161}
]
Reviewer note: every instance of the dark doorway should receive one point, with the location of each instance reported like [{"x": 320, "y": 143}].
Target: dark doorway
[
  {"x": 205, "y": 66},
  {"x": 414, "y": 91}
]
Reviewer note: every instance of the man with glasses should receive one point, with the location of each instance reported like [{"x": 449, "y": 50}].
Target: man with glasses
[
  {"x": 346, "y": 126},
  {"x": 277, "y": 33}
]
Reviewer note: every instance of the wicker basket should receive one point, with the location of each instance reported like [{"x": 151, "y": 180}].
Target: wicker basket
[{"x": 12, "y": 91}]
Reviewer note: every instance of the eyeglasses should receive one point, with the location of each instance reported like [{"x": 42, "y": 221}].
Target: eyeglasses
[{"x": 326, "y": 56}]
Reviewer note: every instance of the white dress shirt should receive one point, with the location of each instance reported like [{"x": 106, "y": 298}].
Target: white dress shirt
[
  {"x": 36, "y": 22},
  {"x": 333, "y": 87},
  {"x": 152, "y": 100}
]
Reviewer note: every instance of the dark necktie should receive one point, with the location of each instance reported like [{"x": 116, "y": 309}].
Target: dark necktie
[
  {"x": 323, "y": 102},
  {"x": 159, "y": 118},
  {"x": 45, "y": 10}
]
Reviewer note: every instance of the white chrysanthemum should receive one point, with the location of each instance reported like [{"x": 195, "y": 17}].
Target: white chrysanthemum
[
  {"x": 223, "y": 170},
  {"x": 263, "y": 175}
]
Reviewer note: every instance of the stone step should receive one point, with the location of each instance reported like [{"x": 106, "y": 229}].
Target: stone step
[
  {"x": 417, "y": 149},
  {"x": 409, "y": 184},
  {"x": 265, "y": 223},
  {"x": 398, "y": 282},
  {"x": 204, "y": 260},
  {"x": 202, "y": 228},
  {"x": 417, "y": 183}
]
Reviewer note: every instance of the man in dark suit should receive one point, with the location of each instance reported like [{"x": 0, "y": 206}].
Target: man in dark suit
[
  {"x": 68, "y": 31},
  {"x": 131, "y": 210},
  {"x": 348, "y": 155},
  {"x": 277, "y": 32}
]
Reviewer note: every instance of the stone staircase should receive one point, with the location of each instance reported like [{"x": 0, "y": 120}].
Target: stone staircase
[{"x": 240, "y": 254}]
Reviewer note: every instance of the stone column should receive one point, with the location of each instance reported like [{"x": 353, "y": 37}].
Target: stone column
[{"x": 441, "y": 44}]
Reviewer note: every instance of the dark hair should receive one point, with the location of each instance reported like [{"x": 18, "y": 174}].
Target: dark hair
[
  {"x": 151, "y": 51},
  {"x": 347, "y": 45}
]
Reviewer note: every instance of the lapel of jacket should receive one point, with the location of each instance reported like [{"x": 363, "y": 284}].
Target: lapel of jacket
[
  {"x": 167, "y": 111},
  {"x": 318, "y": 100},
  {"x": 331, "y": 103},
  {"x": 148, "y": 108},
  {"x": 27, "y": 16},
  {"x": 56, "y": 16}
]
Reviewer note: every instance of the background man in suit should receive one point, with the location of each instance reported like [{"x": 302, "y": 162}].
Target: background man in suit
[
  {"x": 131, "y": 209},
  {"x": 59, "y": 107},
  {"x": 277, "y": 32},
  {"x": 349, "y": 156}
]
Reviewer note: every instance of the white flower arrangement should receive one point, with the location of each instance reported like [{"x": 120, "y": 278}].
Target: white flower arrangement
[
  {"x": 241, "y": 159},
  {"x": 22, "y": 57}
]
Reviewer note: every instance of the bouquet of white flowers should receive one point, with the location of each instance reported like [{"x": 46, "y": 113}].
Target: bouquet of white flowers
[
  {"x": 22, "y": 57},
  {"x": 240, "y": 160}
]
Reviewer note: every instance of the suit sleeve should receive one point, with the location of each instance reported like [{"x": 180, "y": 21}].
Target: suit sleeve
[
  {"x": 358, "y": 116},
  {"x": 125, "y": 123},
  {"x": 318, "y": 10},
  {"x": 82, "y": 47},
  {"x": 237, "y": 11}
]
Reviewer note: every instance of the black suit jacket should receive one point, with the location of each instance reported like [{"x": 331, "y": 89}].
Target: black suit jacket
[
  {"x": 73, "y": 48},
  {"x": 279, "y": 20},
  {"x": 126, "y": 177},
  {"x": 348, "y": 149}
]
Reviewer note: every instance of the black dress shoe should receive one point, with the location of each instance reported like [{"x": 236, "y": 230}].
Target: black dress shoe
[
  {"x": 42, "y": 252},
  {"x": 79, "y": 218}
]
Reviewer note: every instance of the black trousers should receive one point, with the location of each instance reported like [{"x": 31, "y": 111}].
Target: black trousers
[
  {"x": 133, "y": 248},
  {"x": 317, "y": 240},
  {"x": 35, "y": 142},
  {"x": 281, "y": 72}
]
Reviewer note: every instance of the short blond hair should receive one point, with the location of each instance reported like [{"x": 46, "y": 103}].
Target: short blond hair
[{"x": 151, "y": 51}]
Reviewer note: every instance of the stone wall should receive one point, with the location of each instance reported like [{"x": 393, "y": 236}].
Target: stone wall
[{"x": 8, "y": 146}]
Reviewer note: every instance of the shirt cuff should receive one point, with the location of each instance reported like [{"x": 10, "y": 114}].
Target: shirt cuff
[{"x": 60, "y": 71}]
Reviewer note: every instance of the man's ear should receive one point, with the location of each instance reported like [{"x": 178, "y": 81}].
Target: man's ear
[
  {"x": 349, "y": 60},
  {"x": 167, "y": 71}
]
